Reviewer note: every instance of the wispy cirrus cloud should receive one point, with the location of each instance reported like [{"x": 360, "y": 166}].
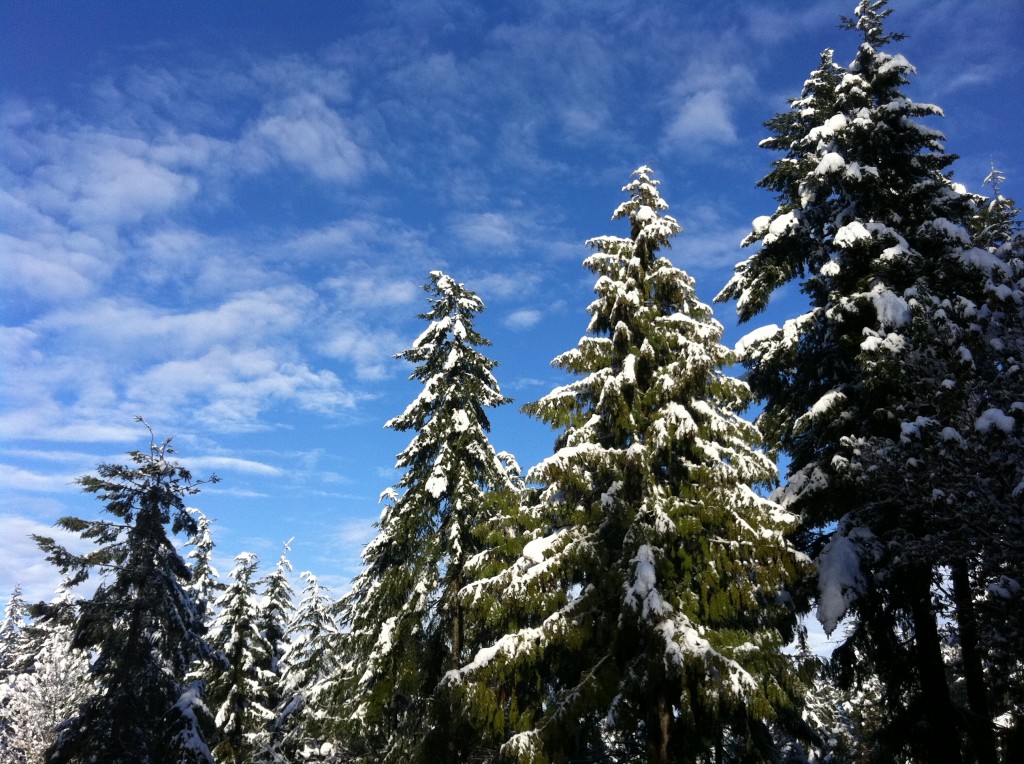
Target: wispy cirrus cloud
[
  {"x": 370, "y": 351},
  {"x": 487, "y": 230},
  {"x": 15, "y": 478},
  {"x": 231, "y": 464},
  {"x": 36, "y": 576},
  {"x": 705, "y": 95},
  {"x": 305, "y": 132}
]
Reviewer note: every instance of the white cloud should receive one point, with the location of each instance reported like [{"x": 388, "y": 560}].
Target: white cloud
[
  {"x": 523, "y": 319},
  {"x": 347, "y": 541},
  {"x": 44, "y": 419},
  {"x": 701, "y": 249},
  {"x": 231, "y": 464},
  {"x": 703, "y": 118},
  {"x": 229, "y": 389},
  {"x": 305, "y": 132},
  {"x": 377, "y": 291},
  {"x": 145, "y": 331},
  {"x": 488, "y": 231},
  {"x": 503, "y": 284},
  {"x": 25, "y": 564},
  {"x": 370, "y": 351},
  {"x": 969, "y": 76},
  {"x": 298, "y": 75},
  {"x": 47, "y": 271},
  {"x": 99, "y": 178},
  {"x": 705, "y": 97},
  {"x": 14, "y": 478}
]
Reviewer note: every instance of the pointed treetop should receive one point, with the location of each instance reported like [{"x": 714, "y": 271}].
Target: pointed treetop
[
  {"x": 995, "y": 178},
  {"x": 870, "y": 15},
  {"x": 649, "y": 229}
]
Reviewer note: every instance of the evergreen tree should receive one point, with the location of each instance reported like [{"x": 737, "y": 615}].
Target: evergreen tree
[
  {"x": 309, "y": 670},
  {"x": 988, "y": 571},
  {"x": 47, "y": 682},
  {"x": 12, "y": 628},
  {"x": 236, "y": 677},
  {"x": 407, "y": 618},
  {"x": 12, "y": 654},
  {"x": 658, "y": 574},
  {"x": 205, "y": 581},
  {"x": 870, "y": 392},
  {"x": 275, "y": 613},
  {"x": 141, "y": 624}
]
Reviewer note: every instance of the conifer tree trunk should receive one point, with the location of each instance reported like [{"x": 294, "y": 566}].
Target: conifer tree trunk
[
  {"x": 980, "y": 726},
  {"x": 455, "y": 661},
  {"x": 942, "y": 740},
  {"x": 659, "y": 717}
]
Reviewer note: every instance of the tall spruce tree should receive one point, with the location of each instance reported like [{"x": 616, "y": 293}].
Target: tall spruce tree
[
  {"x": 988, "y": 562},
  {"x": 141, "y": 624},
  {"x": 406, "y": 614},
  {"x": 658, "y": 576},
  {"x": 204, "y": 583},
  {"x": 276, "y": 611},
  {"x": 12, "y": 629},
  {"x": 310, "y": 666},
  {"x": 871, "y": 391},
  {"x": 237, "y": 676},
  {"x": 13, "y": 641}
]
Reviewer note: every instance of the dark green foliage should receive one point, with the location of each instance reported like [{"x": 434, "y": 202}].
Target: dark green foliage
[
  {"x": 141, "y": 624},
  {"x": 656, "y": 578},
  {"x": 237, "y": 677},
  {"x": 877, "y": 392},
  {"x": 310, "y": 666},
  {"x": 407, "y": 615}
]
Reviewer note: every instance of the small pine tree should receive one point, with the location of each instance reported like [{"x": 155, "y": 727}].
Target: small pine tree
[
  {"x": 141, "y": 624},
  {"x": 236, "y": 680},
  {"x": 658, "y": 576},
  {"x": 12, "y": 655},
  {"x": 48, "y": 681},
  {"x": 309, "y": 670},
  {"x": 406, "y": 613},
  {"x": 204, "y": 583},
  {"x": 276, "y": 611}
]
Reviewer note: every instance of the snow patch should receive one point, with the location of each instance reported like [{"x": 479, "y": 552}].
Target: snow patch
[
  {"x": 995, "y": 418},
  {"x": 753, "y": 338},
  {"x": 840, "y": 580},
  {"x": 760, "y": 224},
  {"x": 892, "y": 309},
  {"x": 779, "y": 226},
  {"x": 831, "y": 162},
  {"x": 851, "y": 233},
  {"x": 436, "y": 485}
]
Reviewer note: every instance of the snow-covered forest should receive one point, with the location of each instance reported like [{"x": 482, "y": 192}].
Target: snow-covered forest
[{"x": 642, "y": 593}]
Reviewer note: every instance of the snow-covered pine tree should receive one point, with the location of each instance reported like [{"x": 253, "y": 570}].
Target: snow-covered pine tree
[
  {"x": 48, "y": 681},
  {"x": 659, "y": 576},
  {"x": 988, "y": 574},
  {"x": 12, "y": 627},
  {"x": 957, "y": 467},
  {"x": 141, "y": 625},
  {"x": 406, "y": 615},
  {"x": 878, "y": 235},
  {"x": 205, "y": 581},
  {"x": 236, "y": 677},
  {"x": 276, "y": 611},
  {"x": 309, "y": 670},
  {"x": 12, "y": 652}
]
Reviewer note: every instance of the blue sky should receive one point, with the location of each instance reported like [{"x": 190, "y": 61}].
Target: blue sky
[{"x": 219, "y": 216}]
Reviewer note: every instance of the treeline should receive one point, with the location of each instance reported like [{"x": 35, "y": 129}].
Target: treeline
[{"x": 638, "y": 595}]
